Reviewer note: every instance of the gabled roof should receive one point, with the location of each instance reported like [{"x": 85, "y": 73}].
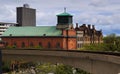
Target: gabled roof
[
  {"x": 64, "y": 14},
  {"x": 83, "y": 27},
  {"x": 33, "y": 31}
]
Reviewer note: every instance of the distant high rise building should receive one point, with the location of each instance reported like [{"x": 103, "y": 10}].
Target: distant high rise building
[{"x": 26, "y": 16}]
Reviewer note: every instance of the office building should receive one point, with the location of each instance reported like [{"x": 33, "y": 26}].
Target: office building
[{"x": 26, "y": 16}]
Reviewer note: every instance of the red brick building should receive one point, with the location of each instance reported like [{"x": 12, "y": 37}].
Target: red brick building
[
  {"x": 62, "y": 36},
  {"x": 87, "y": 35},
  {"x": 65, "y": 39}
]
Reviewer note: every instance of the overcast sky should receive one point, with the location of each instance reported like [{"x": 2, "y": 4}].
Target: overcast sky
[{"x": 104, "y": 14}]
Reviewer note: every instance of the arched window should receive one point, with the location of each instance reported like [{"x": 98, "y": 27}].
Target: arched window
[
  {"x": 49, "y": 45},
  {"x": 31, "y": 44},
  {"x": 6, "y": 43},
  {"x": 58, "y": 45},
  {"x": 40, "y": 44},
  {"x": 23, "y": 45},
  {"x": 14, "y": 45}
]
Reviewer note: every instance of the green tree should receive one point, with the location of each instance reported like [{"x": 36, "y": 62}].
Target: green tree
[
  {"x": 5, "y": 66},
  {"x": 110, "y": 43},
  {"x": 46, "y": 68},
  {"x": 79, "y": 71},
  {"x": 95, "y": 47},
  {"x": 63, "y": 69},
  {"x": 110, "y": 39},
  {"x": 118, "y": 43}
]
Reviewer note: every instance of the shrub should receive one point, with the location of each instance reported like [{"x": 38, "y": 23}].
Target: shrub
[{"x": 38, "y": 47}]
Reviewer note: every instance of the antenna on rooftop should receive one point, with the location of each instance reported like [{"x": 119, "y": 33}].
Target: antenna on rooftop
[
  {"x": 26, "y": 5},
  {"x": 65, "y": 9}
]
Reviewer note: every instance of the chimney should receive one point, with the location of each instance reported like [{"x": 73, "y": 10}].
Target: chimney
[
  {"x": 84, "y": 24},
  {"x": 76, "y": 25},
  {"x": 93, "y": 26},
  {"x": 89, "y": 26}
]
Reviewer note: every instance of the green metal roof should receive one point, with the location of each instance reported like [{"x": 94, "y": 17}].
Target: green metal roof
[
  {"x": 64, "y": 14},
  {"x": 33, "y": 31}
]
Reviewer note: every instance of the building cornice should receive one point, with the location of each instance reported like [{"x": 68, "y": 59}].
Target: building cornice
[{"x": 38, "y": 36}]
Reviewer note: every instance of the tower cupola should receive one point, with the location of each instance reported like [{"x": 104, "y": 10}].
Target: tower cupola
[{"x": 64, "y": 20}]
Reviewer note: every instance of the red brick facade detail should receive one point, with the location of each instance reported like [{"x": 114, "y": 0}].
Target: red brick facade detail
[
  {"x": 44, "y": 42},
  {"x": 66, "y": 41},
  {"x": 70, "y": 32},
  {"x": 71, "y": 43}
]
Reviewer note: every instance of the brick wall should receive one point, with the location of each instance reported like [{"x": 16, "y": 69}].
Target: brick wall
[
  {"x": 72, "y": 43},
  {"x": 70, "y": 32},
  {"x": 46, "y": 42}
]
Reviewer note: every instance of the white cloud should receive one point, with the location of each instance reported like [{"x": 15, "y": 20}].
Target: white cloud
[
  {"x": 8, "y": 14},
  {"x": 105, "y": 14},
  {"x": 99, "y": 3}
]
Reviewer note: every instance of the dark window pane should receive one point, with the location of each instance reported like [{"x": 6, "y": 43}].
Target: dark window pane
[
  {"x": 58, "y": 45},
  {"x": 49, "y": 45},
  {"x": 40, "y": 44},
  {"x": 23, "y": 45},
  {"x": 31, "y": 44},
  {"x": 14, "y": 45}
]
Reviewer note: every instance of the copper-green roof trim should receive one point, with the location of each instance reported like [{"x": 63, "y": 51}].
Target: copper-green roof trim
[
  {"x": 64, "y": 14},
  {"x": 33, "y": 31},
  {"x": 38, "y": 36}
]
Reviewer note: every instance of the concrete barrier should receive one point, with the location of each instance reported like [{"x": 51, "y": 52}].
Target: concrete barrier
[{"x": 95, "y": 63}]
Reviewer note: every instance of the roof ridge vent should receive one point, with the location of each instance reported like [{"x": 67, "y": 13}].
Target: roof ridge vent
[{"x": 44, "y": 34}]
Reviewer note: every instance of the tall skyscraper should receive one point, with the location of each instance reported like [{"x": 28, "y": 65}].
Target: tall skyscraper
[{"x": 26, "y": 16}]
